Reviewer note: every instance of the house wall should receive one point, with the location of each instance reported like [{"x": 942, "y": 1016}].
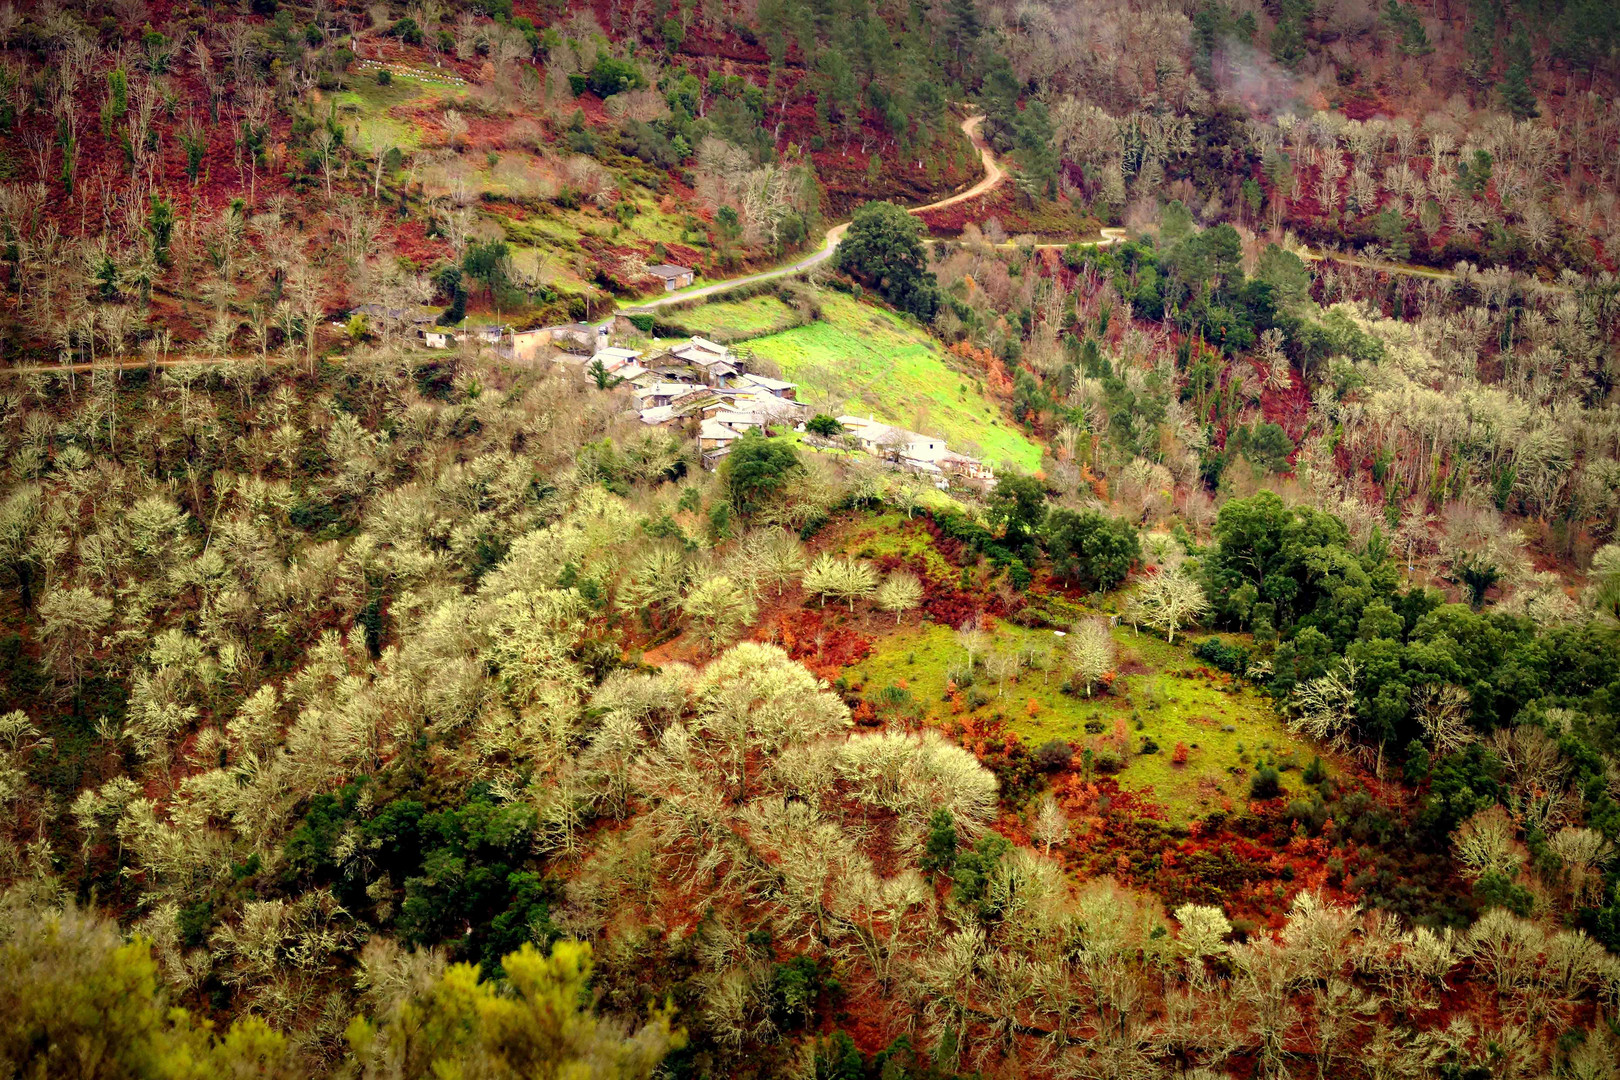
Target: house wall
[{"x": 527, "y": 344}]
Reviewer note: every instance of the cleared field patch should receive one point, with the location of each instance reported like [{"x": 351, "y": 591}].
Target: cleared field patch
[
  {"x": 736, "y": 320},
  {"x": 366, "y": 108},
  {"x": 1162, "y": 697},
  {"x": 652, "y": 225},
  {"x": 866, "y": 361}
]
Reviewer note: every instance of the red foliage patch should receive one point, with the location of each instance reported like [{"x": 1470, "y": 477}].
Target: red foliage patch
[
  {"x": 1249, "y": 859},
  {"x": 1001, "y": 751},
  {"x": 805, "y": 635},
  {"x": 412, "y": 241},
  {"x": 1290, "y": 409}
]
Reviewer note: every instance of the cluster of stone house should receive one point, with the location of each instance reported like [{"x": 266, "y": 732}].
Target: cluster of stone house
[
  {"x": 926, "y": 454},
  {"x": 507, "y": 341},
  {"x": 700, "y": 382},
  {"x": 700, "y": 385}
]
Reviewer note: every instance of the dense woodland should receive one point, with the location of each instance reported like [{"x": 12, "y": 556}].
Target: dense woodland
[{"x": 374, "y": 711}]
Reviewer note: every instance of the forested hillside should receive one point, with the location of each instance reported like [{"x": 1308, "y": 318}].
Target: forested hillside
[{"x": 1139, "y": 601}]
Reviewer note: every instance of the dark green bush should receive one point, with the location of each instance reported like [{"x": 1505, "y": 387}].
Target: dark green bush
[
  {"x": 1217, "y": 653},
  {"x": 1053, "y": 755},
  {"x": 1267, "y": 783}
]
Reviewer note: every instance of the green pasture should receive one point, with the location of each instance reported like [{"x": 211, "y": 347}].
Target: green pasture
[
  {"x": 1160, "y": 695},
  {"x": 866, "y": 361},
  {"x": 368, "y": 106},
  {"x": 736, "y": 320}
]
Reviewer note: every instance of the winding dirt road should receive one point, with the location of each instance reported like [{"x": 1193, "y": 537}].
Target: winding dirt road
[
  {"x": 1405, "y": 269},
  {"x": 993, "y": 176}
]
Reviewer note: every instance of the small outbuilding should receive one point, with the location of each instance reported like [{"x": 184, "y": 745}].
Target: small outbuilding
[{"x": 674, "y": 277}]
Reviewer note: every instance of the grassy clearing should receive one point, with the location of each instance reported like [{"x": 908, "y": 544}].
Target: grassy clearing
[
  {"x": 1160, "y": 695},
  {"x": 861, "y": 359},
  {"x": 885, "y": 534},
  {"x": 365, "y": 107},
  {"x": 739, "y": 319},
  {"x": 524, "y": 176},
  {"x": 654, "y": 226}
]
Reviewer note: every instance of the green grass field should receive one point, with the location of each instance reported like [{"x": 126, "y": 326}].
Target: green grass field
[
  {"x": 367, "y": 104},
  {"x": 863, "y": 360},
  {"x": 737, "y": 320},
  {"x": 1160, "y": 687}
]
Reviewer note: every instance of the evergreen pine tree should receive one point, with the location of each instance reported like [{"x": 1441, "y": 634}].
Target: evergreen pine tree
[
  {"x": 1480, "y": 42},
  {"x": 962, "y": 29},
  {"x": 1518, "y": 96}
]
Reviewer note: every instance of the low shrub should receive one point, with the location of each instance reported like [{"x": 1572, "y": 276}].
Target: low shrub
[
  {"x": 1053, "y": 755},
  {"x": 1232, "y": 659},
  {"x": 1315, "y": 772},
  {"x": 1267, "y": 783}
]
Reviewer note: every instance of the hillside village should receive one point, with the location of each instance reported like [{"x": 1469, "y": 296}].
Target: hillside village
[
  {"x": 702, "y": 384},
  {"x": 700, "y": 389}
]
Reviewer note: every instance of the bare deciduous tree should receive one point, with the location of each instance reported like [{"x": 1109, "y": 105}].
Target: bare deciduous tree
[
  {"x": 1051, "y": 824},
  {"x": 720, "y": 607},
  {"x": 899, "y": 593},
  {"x": 1168, "y": 601},
  {"x": 1089, "y": 654}
]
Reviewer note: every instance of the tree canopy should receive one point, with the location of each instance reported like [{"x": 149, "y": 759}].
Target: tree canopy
[
  {"x": 883, "y": 249},
  {"x": 757, "y": 469},
  {"x": 1090, "y": 548}
]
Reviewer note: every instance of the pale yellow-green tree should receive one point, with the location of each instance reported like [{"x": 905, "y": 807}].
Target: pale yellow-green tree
[
  {"x": 899, "y": 593},
  {"x": 20, "y": 518},
  {"x": 821, "y": 577},
  {"x": 772, "y": 556},
  {"x": 76, "y": 1000},
  {"x": 1203, "y": 930},
  {"x": 535, "y": 1024},
  {"x": 720, "y": 608},
  {"x": 1088, "y": 653},
  {"x": 72, "y": 621},
  {"x": 856, "y": 580},
  {"x": 1484, "y": 844},
  {"x": 842, "y": 579},
  {"x": 654, "y": 584},
  {"x": 1051, "y": 824},
  {"x": 1168, "y": 601}
]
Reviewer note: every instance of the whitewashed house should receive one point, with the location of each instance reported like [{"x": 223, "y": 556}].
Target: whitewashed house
[{"x": 909, "y": 449}]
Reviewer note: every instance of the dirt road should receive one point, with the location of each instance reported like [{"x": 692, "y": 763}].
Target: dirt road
[{"x": 993, "y": 176}]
